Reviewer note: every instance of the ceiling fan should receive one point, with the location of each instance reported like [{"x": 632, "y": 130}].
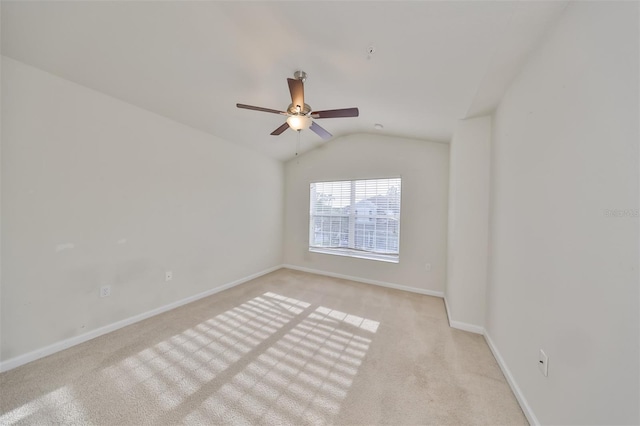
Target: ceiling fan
[{"x": 300, "y": 115}]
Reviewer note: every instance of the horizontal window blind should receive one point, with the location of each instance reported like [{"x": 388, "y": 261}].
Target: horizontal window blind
[{"x": 358, "y": 216}]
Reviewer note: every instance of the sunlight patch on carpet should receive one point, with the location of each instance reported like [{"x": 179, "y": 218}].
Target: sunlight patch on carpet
[
  {"x": 301, "y": 378},
  {"x": 271, "y": 359}
]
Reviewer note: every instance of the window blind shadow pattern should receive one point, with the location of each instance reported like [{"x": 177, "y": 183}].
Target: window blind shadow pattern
[{"x": 271, "y": 359}]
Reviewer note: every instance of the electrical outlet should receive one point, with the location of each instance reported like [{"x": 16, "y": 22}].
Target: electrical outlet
[
  {"x": 105, "y": 291},
  {"x": 168, "y": 276},
  {"x": 543, "y": 363}
]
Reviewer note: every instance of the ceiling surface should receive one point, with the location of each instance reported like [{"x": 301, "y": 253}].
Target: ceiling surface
[{"x": 434, "y": 62}]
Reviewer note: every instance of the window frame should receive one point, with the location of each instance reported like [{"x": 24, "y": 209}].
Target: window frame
[{"x": 352, "y": 218}]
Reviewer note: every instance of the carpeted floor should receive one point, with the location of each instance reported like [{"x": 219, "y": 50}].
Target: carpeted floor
[{"x": 286, "y": 348}]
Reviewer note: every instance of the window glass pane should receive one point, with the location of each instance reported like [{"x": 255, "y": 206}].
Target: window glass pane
[{"x": 360, "y": 215}]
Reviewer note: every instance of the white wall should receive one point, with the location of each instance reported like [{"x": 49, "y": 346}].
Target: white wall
[
  {"x": 99, "y": 192},
  {"x": 563, "y": 274},
  {"x": 423, "y": 167},
  {"x": 467, "y": 248},
  {"x": 1, "y": 197}
]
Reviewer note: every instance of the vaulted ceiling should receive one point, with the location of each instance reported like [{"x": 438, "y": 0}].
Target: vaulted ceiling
[{"x": 434, "y": 62}]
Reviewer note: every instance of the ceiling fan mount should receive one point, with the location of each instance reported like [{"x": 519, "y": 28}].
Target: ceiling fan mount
[
  {"x": 300, "y": 75},
  {"x": 299, "y": 114}
]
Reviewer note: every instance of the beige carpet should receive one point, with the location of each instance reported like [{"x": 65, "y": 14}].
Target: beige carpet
[{"x": 286, "y": 348}]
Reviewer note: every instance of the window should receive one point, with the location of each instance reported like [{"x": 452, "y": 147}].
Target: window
[{"x": 357, "y": 218}]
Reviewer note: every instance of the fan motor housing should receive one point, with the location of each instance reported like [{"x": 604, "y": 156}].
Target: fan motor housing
[{"x": 293, "y": 110}]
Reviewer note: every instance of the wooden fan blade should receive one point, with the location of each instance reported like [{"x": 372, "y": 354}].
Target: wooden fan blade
[
  {"x": 280, "y": 129},
  {"x": 320, "y": 131},
  {"x": 255, "y": 108},
  {"x": 296, "y": 87},
  {"x": 335, "y": 113}
]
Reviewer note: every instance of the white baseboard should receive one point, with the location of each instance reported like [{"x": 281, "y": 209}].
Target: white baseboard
[
  {"x": 447, "y": 310},
  {"x": 366, "y": 281},
  {"x": 526, "y": 408},
  {"x": 76, "y": 340},
  {"x": 461, "y": 325}
]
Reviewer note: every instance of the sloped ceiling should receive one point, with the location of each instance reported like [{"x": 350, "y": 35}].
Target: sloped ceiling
[{"x": 434, "y": 62}]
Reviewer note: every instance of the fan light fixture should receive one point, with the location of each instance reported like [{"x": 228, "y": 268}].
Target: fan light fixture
[{"x": 299, "y": 122}]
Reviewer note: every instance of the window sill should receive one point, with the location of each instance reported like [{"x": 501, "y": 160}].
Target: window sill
[{"x": 390, "y": 258}]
